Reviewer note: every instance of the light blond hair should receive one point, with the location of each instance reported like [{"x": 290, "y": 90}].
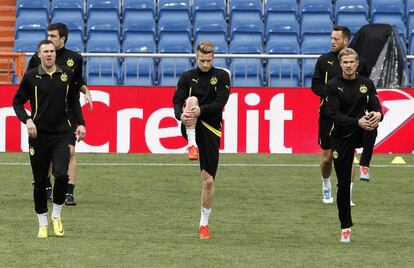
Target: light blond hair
[
  {"x": 348, "y": 52},
  {"x": 205, "y": 47}
]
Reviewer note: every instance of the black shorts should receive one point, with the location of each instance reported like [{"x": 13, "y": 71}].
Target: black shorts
[
  {"x": 324, "y": 137},
  {"x": 208, "y": 144}
]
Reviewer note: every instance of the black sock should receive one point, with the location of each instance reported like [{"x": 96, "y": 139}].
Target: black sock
[{"x": 70, "y": 189}]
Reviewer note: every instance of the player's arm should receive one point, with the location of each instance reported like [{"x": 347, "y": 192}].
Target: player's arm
[
  {"x": 318, "y": 84},
  {"x": 374, "y": 106},
  {"x": 222, "y": 95},
  {"x": 20, "y": 98},
  {"x": 334, "y": 107},
  {"x": 180, "y": 95},
  {"x": 80, "y": 81},
  {"x": 75, "y": 109}
]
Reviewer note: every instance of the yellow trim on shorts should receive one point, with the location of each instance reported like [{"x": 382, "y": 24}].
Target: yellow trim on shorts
[{"x": 212, "y": 129}]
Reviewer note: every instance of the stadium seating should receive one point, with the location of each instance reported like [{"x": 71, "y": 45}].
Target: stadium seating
[
  {"x": 214, "y": 8},
  {"x": 103, "y": 70},
  {"x": 139, "y": 71},
  {"x": 316, "y": 7},
  {"x": 276, "y": 7}
]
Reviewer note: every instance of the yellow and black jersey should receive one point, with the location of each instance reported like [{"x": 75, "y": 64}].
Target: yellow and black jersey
[
  {"x": 51, "y": 95},
  {"x": 347, "y": 102},
  {"x": 212, "y": 90},
  {"x": 326, "y": 68},
  {"x": 68, "y": 58}
]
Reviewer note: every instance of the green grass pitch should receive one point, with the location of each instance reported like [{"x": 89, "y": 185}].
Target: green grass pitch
[{"x": 142, "y": 210}]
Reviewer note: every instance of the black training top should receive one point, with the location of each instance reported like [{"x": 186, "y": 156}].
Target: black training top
[
  {"x": 212, "y": 90},
  {"x": 65, "y": 57},
  {"x": 327, "y": 67},
  {"x": 347, "y": 102},
  {"x": 50, "y": 96}
]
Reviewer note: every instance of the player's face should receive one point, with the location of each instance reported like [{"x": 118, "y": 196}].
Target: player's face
[
  {"x": 349, "y": 65},
  {"x": 338, "y": 41},
  {"x": 47, "y": 55},
  {"x": 205, "y": 61},
  {"x": 57, "y": 40}
]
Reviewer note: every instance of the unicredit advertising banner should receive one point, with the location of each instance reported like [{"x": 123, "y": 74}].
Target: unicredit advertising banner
[{"x": 256, "y": 120}]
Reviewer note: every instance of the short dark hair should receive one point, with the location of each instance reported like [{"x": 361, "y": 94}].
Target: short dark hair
[
  {"x": 44, "y": 42},
  {"x": 345, "y": 31},
  {"x": 61, "y": 28}
]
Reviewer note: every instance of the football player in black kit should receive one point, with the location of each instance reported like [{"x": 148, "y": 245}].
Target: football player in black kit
[
  {"x": 354, "y": 107},
  {"x": 199, "y": 99},
  {"x": 326, "y": 68},
  {"x": 51, "y": 92},
  {"x": 58, "y": 34}
]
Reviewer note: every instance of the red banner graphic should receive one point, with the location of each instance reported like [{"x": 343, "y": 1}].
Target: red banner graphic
[{"x": 256, "y": 120}]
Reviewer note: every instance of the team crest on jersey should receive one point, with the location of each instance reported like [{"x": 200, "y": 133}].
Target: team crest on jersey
[
  {"x": 64, "y": 77},
  {"x": 70, "y": 62},
  {"x": 31, "y": 151},
  {"x": 335, "y": 154},
  {"x": 363, "y": 89},
  {"x": 213, "y": 81}
]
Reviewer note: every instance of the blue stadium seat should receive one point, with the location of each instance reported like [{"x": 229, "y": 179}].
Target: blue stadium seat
[
  {"x": 316, "y": 7},
  {"x": 174, "y": 6},
  {"x": 103, "y": 70},
  {"x": 70, "y": 13},
  {"x": 313, "y": 44},
  {"x": 246, "y": 72},
  {"x": 209, "y": 22},
  {"x": 139, "y": 15},
  {"x": 33, "y": 6},
  {"x": 142, "y": 7},
  {"x": 316, "y": 24},
  {"x": 138, "y": 71},
  {"x": 282, "y": 23},
  {"x": 169, "y": 69},
  {"x": 276, "y": 7},
  {"x": 75, "y": 41},
  {"x": 245, "y": 12},
  {"x": 104, "y": 5},
  {"x": 213, "y": 7},
  {"x": 354, "y": 21},
  {"x": 395, "y": 7},
  {"x": 103, "y": 15},
  {"x": 283, "y": 73},
  {"x": 27, "y": 39},
  {"x": 282, "y": 43},
  {"x": 351, "y": 7}
]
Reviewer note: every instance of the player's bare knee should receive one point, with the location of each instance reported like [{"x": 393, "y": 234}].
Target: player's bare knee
[{"x": 191, "y": 102}]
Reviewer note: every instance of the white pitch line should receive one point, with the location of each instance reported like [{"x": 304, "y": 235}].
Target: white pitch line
[{"x": 196, "y": 164}]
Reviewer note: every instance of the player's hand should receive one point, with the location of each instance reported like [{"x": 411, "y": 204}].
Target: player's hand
[
  {"x": 31, "y": 129},
  {"x": 186, "y": 119},
  {"x": 194, "y": 111},
  {"x": 80, "y": 133},
  {"x": 363, "y": 123},
  {"x": 374, "y": 119},
  {"x": 88, "y": 99}
]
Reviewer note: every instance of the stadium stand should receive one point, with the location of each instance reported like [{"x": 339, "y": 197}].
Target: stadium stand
[{"x": 176, "y": 26}]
